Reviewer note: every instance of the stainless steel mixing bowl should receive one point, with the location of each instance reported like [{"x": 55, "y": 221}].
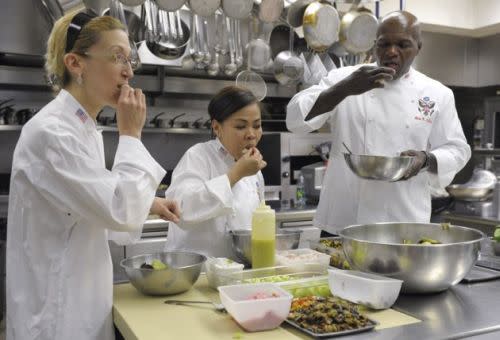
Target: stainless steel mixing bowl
[
  {"x": 379, "y": 168},
  {"x": 182, "y": 272},
  {"x": 378, "y": 248},
  {"x": 242, "y": 245},
  {"x": 461, "y": 192}
]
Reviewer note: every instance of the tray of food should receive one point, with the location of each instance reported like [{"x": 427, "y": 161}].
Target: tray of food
[
  {"x": 333, "y": 246},
  {"x": 327, "y": 317}
]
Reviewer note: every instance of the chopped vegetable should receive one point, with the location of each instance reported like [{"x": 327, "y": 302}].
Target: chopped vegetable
[
  {"x": 331, "y": 243},
  {"x": 238, "y": 335},
  {"x": 326, "y": 315},
  {"x": 496, "y": 235},
  {"x": 155, "y": 264},
  {"x": 146, "y": 266},
  {"x": 445, "y": 226},
  {"x": 269, "y": 279},
  {"x": 423, "y": 240},
  {"x": 314, "y": 290}
]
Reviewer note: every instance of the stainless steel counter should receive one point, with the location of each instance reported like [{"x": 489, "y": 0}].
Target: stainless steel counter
[{"x": 462, "y": 311}]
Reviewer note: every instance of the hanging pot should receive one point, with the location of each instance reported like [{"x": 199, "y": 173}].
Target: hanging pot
[
  {"x": 132, "y": 3},
  {"x": 321, "y": 26},
  {"x": 288, "y": 67},
  {"x": 205, "y": 8},
  {"x": 170, "y": 5},
  {"x": 295, "y": 12},
  {"x": 237, "y": 9},
  {"x": 358, "y": 29}
]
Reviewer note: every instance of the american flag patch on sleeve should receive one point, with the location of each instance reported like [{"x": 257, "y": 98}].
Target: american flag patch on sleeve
[{"x": 82, "y": 115}]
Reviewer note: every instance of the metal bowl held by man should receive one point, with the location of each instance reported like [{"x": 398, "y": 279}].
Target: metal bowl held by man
[
  {"x": 427, "y": 257},
  {"x": 379, "y": 168},
  {"x": 177, "y": 272},
  {"x": 242, "y": 242}
]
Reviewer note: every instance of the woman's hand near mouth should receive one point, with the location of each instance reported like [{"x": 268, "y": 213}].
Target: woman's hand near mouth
[
  {"x": 249, "y": 164},
  {"x": 131, "y": 111}
]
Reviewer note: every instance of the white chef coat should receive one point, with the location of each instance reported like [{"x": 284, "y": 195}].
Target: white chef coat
[
  {"x": 62, "y": 203},
  {"x": 413, "y": 112},
  {"x": 210, "y": 208}
]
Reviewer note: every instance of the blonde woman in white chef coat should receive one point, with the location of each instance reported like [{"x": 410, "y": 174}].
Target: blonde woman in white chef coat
[
  {"x": 387, "y": 108},
  {"x": 218, "y": 183},
  {"x": 63, "y": 202}
]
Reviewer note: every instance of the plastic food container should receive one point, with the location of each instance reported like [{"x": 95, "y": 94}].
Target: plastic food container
[
  {"x": 337, "y": 256},
  {"x": 256, "y": 307},
  {"x": 274, "y": 274},
  {"x": 313, "y": 286},
  {"x": 218, "y": 269},
  {"x": 374, "y": 291},
  {"x": 300, "y": 258}
]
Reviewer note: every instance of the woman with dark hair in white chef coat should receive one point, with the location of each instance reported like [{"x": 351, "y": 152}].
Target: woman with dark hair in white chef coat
[
  {"x": 218, "y": 184},
  {"x": 63, "y": 202}
]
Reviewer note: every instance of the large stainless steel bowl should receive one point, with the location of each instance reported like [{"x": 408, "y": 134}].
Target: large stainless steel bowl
[
  {"x": 182, "y": 272},
  {"x": 242, "y": 245},
  {"x": 378, "y": 248},
  {"x": 379, "y": 168}
]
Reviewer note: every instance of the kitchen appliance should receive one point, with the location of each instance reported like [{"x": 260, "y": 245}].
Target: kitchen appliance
[
  {"x": 491, "y": 132},
  {"x": 297, "y": 151},
  {"x": 313, "y": 181}
]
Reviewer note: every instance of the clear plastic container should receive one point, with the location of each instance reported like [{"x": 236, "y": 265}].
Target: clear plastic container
[
  {"x": 374, "y": 291},
  {"x": 256, "y": 314},
  {"x": 300, "y": 258},
  {"x": 275, "y": 274},
  {"x": 337, "y": 256},
  {"x": 218, "y": 269},
  {"x": 313, "y": 286}
]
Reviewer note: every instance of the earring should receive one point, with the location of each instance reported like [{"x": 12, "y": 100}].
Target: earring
[{"x": 79, "y": 80}]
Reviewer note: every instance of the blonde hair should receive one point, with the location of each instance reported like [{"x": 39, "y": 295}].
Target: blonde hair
[{"x": 57, "y": 74}]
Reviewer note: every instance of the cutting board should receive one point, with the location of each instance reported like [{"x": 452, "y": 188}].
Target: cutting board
[{"x": 147, "y": 318}]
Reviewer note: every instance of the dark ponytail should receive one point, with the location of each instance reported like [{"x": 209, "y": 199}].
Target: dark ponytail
[{"x": 228, "y": 101}]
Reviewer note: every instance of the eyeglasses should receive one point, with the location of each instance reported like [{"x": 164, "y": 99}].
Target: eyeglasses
[{"x": 118, "y": 59}]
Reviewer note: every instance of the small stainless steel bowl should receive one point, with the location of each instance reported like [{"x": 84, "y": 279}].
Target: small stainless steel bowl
[
  {"x": 378, "y": 168},
  {"x": 183, "y": 270},
  {"x": 242, "y": 242}
]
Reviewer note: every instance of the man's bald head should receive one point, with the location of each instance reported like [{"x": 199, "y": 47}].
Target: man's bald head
[
  {"x": 398, "y": 41},
  {"x": 401, "y": 21}
]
